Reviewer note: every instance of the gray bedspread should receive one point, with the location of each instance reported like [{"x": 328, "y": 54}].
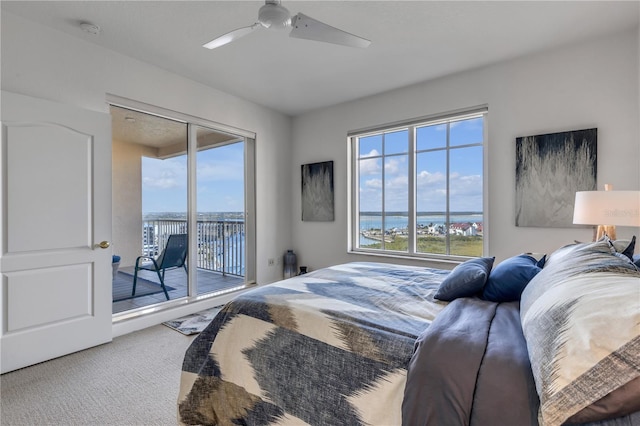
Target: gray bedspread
[{"x": 471, "y": 367}]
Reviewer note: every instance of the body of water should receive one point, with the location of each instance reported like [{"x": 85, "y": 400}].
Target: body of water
[{"x": 368, "y": 222}]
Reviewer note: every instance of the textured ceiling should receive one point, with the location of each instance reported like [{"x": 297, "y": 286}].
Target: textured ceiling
[
  {"x": 146, "y": 129},
  {"x": 412, "y": 41},
  {"x": 167, "y": 137}
]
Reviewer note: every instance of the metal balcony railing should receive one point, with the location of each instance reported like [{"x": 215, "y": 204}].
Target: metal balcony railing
[{"x": 220, "y": 243}]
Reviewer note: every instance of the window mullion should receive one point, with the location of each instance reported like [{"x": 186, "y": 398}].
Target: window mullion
[
  {"x": 411, "y": 180},
  {"x": 384, "y": 198},
  {"x": 447, "y": 223}
]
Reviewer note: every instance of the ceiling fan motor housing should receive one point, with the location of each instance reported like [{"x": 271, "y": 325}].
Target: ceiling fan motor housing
[{"x": 273, "y": 15}]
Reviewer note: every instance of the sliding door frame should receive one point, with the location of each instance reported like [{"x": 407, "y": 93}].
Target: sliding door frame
[{"x": 193, "y": 123}]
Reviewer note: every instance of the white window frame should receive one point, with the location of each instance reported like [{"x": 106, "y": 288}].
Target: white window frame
[{"x": 411, "y": 125}]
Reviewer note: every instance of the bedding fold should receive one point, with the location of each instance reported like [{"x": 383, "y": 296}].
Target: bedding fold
[{"x": 471, "y": 367}]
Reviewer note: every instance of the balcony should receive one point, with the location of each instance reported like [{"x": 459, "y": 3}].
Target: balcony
[{"x": 220, "y": 260}]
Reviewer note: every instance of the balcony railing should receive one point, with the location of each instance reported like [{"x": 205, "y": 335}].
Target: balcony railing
[{"x": 220, "y": 243}]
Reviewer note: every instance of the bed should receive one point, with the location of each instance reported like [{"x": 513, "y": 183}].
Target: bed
[{"x": 368, "y": 343}]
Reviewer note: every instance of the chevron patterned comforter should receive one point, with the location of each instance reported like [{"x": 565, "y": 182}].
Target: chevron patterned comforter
[{"x": 330, "y": 348}]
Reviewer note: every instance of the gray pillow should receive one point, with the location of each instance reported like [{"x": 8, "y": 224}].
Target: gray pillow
[{"x": 465, "y": 280}]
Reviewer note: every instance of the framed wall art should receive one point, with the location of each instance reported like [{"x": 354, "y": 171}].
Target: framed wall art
[
  {"x": 317, "y": 192},
  {"x": 550, "y": 169}
]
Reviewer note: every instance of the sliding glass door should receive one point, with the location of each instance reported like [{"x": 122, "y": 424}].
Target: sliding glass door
[
  {"x": 220, "y": 206},
  {"x": 179, "y": 178}
]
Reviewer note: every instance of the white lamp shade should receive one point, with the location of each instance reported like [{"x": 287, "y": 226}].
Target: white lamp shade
[{"x": 620, "y": 208}]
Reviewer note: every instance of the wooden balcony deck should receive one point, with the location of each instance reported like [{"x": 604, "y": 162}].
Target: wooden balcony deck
[{"x": 208, "y": 282}]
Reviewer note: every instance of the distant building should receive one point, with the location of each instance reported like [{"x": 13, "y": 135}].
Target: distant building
[
  {"x": 463, "y": 229},
  {"x": 149, "y": 244}
]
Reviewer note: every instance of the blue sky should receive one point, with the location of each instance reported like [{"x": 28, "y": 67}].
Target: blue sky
[
  {"x": 465, "y": 173},
  {"x": 220, "y": 174},
  {"x": 220, "y": 181}
]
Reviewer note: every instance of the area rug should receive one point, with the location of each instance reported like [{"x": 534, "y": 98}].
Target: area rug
[
  {"x": 123, "y": 284},
  {"x": 193, "y": 323}
]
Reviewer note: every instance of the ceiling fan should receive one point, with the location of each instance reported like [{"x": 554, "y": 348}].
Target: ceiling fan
[{"x": 275, "y": 16}]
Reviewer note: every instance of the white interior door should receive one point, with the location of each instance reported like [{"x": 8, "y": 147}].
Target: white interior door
[{"x": 55, "y": 179}]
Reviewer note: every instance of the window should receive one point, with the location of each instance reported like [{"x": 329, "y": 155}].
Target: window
[{"x": 418, "y": 187}]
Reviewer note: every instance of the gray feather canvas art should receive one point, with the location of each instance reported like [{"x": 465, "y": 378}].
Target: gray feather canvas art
[
  {"x": 317, "y": 192},
  {"x": 550, "y": 169}
]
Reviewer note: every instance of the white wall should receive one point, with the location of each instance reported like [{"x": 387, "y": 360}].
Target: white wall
[
  {"x": 45, "y": 63},
  {"x": 127, "y": 199},
  {"x": 594, "y": 84}
]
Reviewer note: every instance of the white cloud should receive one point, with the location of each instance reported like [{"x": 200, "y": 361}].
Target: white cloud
[
  {"x": 470, "y": 185},
  {"x": 398, "y": 183},
  {"x": 373, "y": 183},
  {"x": 164, "y": 174},
  {"x": 391, "y": 166},
  {"x": 426, "y": 178},
  {"x": 465, "y": 191},
  {"x": 373, "y": 153},
  {"x": 370, "y": 167}
]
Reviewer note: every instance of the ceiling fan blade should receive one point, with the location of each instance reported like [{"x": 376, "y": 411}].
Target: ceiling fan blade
[
  {"x": 310, "y": 29},
  {"x": 231, "y": 36}
]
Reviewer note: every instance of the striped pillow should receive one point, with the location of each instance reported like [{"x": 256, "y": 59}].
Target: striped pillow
[{"x": 580, "y": 316}]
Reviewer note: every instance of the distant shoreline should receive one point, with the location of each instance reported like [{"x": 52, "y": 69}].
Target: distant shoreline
[
  {"x": 428, "y": 213},
  {"x": 201, "y": 215},
  {"x": 240, "y": 215}
]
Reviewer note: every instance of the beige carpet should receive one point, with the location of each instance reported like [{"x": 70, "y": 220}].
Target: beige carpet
[{"x": 132, "y": 381}]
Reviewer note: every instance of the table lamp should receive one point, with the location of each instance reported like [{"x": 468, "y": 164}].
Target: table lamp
[{"x": 606, "y": 209}]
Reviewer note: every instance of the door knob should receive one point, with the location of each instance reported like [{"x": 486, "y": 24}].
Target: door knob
[{"x": 104, "y": 244}]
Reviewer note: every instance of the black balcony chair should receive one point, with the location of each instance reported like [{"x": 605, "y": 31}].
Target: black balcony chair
[{"x": 173, "y": 256}]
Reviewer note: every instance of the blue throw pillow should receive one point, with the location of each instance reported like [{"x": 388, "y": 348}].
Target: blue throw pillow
[
  {"x": 509, "y": 278},
  {"x": 466, "y": 279}
]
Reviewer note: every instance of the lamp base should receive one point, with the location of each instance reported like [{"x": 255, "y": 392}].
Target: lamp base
[{"x": 608, "y": 230}]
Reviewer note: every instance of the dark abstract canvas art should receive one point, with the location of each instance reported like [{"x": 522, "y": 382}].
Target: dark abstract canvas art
[
  {"x": 317, "y": 192},
  {"x": 550, "y": 168}
]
